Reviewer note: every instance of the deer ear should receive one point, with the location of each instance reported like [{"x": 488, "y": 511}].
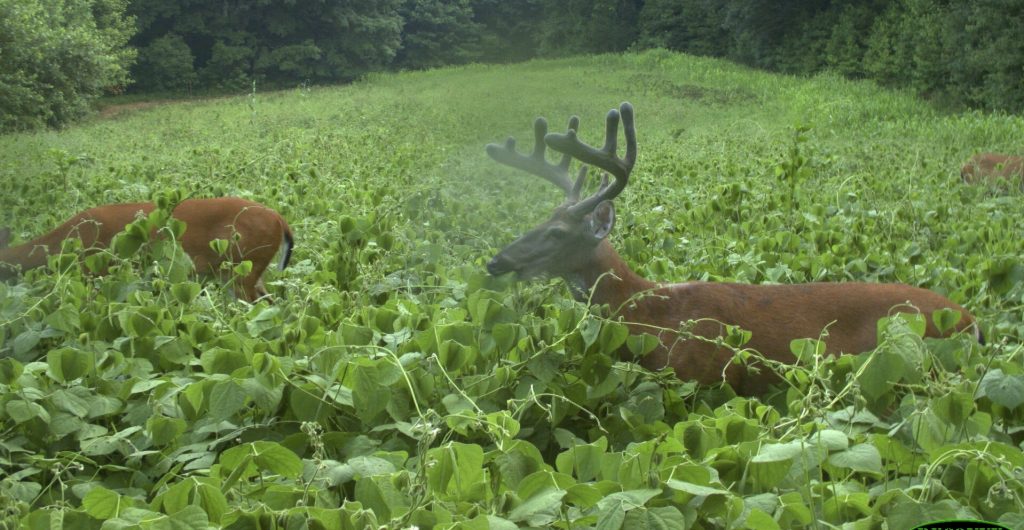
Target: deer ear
[{"x": 602, "y": 219}]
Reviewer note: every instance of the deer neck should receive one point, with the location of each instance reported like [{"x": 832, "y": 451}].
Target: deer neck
[
  {"x": 609, "y": 278},
  {"x": 24, "y": 257}
]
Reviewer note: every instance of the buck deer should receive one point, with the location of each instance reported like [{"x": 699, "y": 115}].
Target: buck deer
[
  {"x": 573, "y": 244},
  {"x": 993, "y": 168},
  {"x": 259, "y": 231}
]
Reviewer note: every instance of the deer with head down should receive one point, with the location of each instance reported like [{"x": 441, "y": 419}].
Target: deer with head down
[
  {"x": 993, "y": 168},
  {"x": 254, "y": 230},
  {"x": 573, "y": 244}
]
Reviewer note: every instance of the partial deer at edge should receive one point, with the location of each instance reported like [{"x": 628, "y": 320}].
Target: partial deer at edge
[
  {"x": 573, "y": 244},
  {"x": 256, "y": 233},
  {"x": 994, "y": 168}
]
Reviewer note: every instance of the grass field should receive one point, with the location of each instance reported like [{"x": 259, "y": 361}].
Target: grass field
[{"x": 393, "y": 383}]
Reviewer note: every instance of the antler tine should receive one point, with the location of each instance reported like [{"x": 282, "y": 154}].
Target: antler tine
[
  {"x": 536, "y": 163},
  {"x": 581, "y": 178},
  {"x": 604, "y": 158}
]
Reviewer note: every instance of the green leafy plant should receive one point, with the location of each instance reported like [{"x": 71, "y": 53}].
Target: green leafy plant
[{"x": 394, "y": 383}]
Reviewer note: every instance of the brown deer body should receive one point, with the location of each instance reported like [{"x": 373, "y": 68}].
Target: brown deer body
[
  {"x": 260, "y": 231},
  {"x": 573, "y": 244},
  {"x": 993, "y": 168}
]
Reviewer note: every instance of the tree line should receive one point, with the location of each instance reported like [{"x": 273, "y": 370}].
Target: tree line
[{"x": 55, "y": 55}]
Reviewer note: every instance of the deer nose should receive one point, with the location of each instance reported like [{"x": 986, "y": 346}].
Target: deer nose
[{"x": 496, "y": 267}]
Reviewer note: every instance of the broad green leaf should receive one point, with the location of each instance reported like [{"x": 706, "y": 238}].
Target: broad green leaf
[
  {"x": 930, "y": 432},
  {"x": 807, "y": 350},
  {"x": 22, "y": 491},
  {"x": 10, "y": 370},
  {"x": 907, "y": 513},
  {"x": 502, "y": 425},
  {"x": 862, "y": 457},
  {"x": 830, "y": 439},
  {"x": 276, "y": 459},
  {"x": 694, "y": 489},
  {"x": 265, "y": 320},
  {"x": 226, "y": 398},
  {"x": 21, "y": 411},
  {"x": 65, "y": 318},
  {"x": 946, "y": 319},
  {"x": 185, "y": 292},
  {"x": 1003, "y": 389},
  {"x": 795, "y": 508},
  {"x": 67, "y": 364},
  {"x": 663, "y": 518},
  {"x": 640, "y": 345},
  {"x": 613, "y": 336},
  {"x": 147, "y": 385},
  {"x": 583, "y": 495},
  {"x": 884, "y": 369},
  {"x": 177, "y": 496},
  {"x": 456, "y": 471},
  {"x": 630, "y": 498},
  {"x": 766, "y": 502},
  {"x": 102, "y": 503},
  {"x": 70, "y": 402},
  {"x": 379, "y": 494},
  {"x": 368, "y": 396},
  {"x": 163, "y": 430},
  {"x": 365, "y": 466},
  {"x": 590, "y": 328},
  {"x": 498, "y": 523},
  {"x": 583, "y": 461},
  {"x": 519, "y": 461},
  {"x": 505, "y": 335},
  {"x": 24, "y": 343},
  {"x": 779, "y": 452},
  {"x": 611, "y": 516},
  {"x": 540, "y": 509}
]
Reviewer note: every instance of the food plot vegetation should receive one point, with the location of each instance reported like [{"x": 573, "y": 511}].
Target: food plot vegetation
[{"x": 393, "y": 383}]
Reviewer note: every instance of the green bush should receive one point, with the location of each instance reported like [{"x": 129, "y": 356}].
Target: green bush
[
  {"x": 436, "y": 33},
  {"x": 955, "y": 53},
  {"x": 229, "y": 67},
  {"x": 691, "y": 25},
  {"x": 165, "y": 64},
  {"x": 58, "y": 55},
  {"x": 992, "y": 72}
]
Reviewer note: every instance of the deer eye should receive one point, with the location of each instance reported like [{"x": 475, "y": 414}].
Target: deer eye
[{"x": 555, "y": 232}]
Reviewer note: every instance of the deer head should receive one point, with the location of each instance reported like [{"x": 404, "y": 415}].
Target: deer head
[{"x": 567, "y": 241}]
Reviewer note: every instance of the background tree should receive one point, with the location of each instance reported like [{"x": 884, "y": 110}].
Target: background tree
[
  {"x": 508, "y": 29},
  {"x": 58, "y": 55},
  {"x": 282, "y": 42},
  {"x": 166, "y": 64},
  {"x": 588, "y": 26},
  {"x": 692, "y": 25},
  {"x": 436, "y": 33}
]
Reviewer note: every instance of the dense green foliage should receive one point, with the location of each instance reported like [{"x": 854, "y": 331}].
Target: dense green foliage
[
  {"x": 56, "y": 56},
  {"x": 961, "y": 53},
  {"x": 285, "y": 43},
  {"x": 394, "y": 383},
  {"x": 235, "y": 43}
]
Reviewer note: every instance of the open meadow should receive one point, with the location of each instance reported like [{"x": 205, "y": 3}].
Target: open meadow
[{"x": 393, "y": 383}]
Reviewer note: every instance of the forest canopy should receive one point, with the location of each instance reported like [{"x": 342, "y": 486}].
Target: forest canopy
[{"x": 961, "y": 54}]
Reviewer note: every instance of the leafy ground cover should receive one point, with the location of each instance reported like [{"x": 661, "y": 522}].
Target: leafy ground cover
[{"x": 394, "y": 384}]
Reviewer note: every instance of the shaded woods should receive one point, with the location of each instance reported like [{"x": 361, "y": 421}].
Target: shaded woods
[{"x": 959, "y": 54}]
